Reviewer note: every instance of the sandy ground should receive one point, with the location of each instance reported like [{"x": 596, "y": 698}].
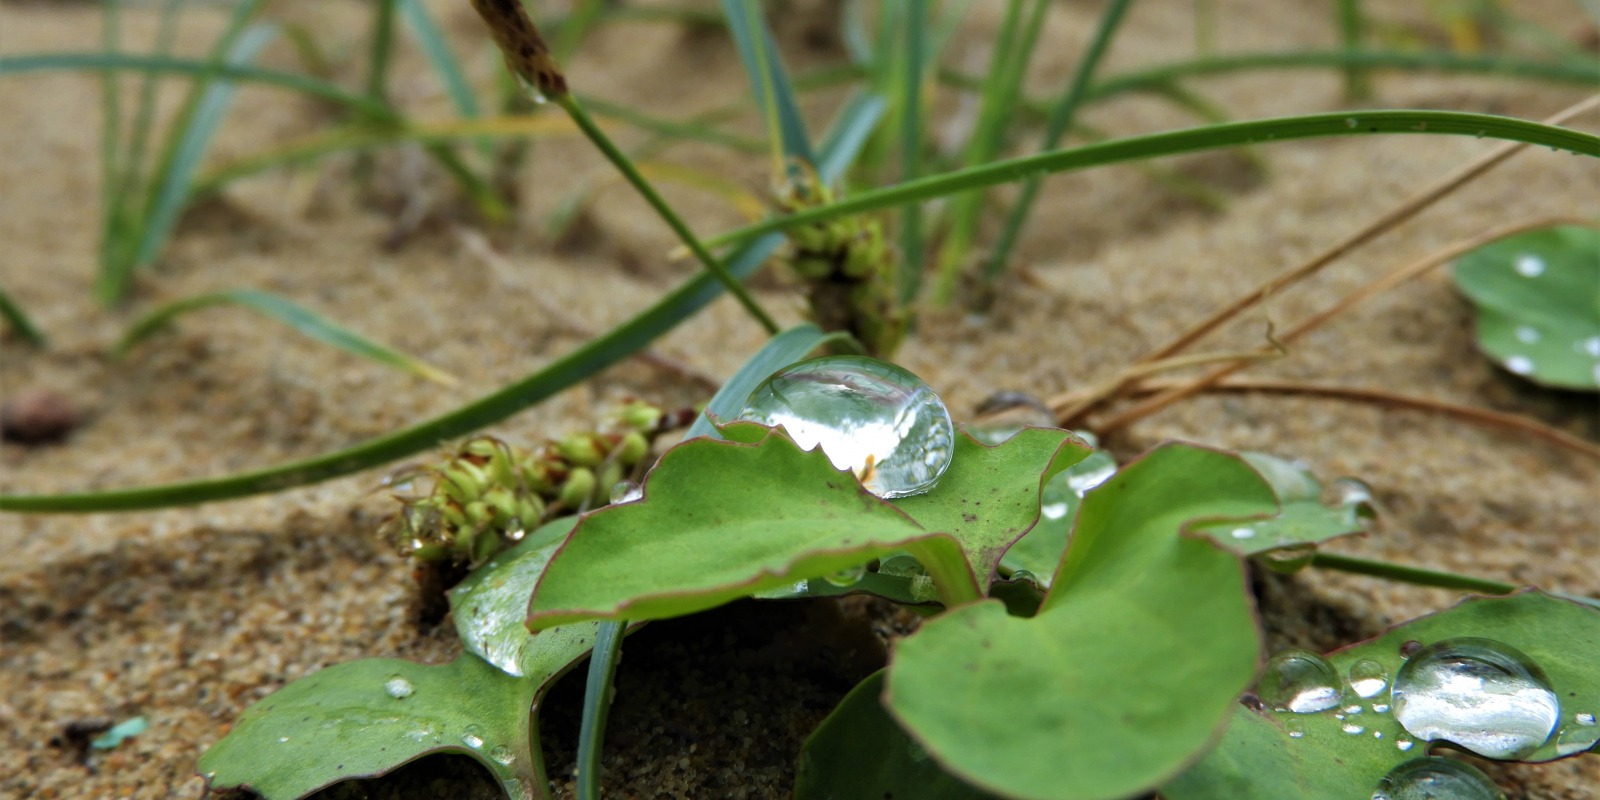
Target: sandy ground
[{"x": 187, "y": 616}]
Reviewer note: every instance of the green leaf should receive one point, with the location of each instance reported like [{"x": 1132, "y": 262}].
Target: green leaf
[
  {"x": 768, "y": 79},
  {"x": 1538, "y": 299},
  {"x": 780, "y": 351},
  {"x": 990, "y": 496},
  {"x": 367, "y": 717},
  {"x": 286, "y": 311},
  {"x": 860, "y": 753},
  {"x": 490, "y": 607},
  {"x": 1133, "y": 663},
  {"x": 1258, "y": 759},
  {"x": 1302, "y": 521},
  {"x": 719, "y": 521},
  {"x": 1039, "y": 552}
]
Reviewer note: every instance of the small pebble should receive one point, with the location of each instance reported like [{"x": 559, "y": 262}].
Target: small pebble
[{"x": 38, "y": 416}]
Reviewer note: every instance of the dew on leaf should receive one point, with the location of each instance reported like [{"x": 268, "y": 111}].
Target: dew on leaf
[
  {"x": 625, "y": 492},
  {"x": 1522, "y": 365},
  {"x": 398, "y": 687},
  {"x": 1527, "y": 334},
  {"x": 870, "y": 417},
  {"x": 1243, "y": 533},
  {"x": 846, "y": 577},
  {"x": 1300, "y": 681},
  {"x": 1352, "y": 729},
  {"x": 1435, "y": 778},
  {"x": 1295, "y": 727},
  {"x": 1368, "y": 677},
  {"x": 1529, "y": 265},
  {"x": 1478, "y": 693},
  {"x": 1577, "y": 736}
]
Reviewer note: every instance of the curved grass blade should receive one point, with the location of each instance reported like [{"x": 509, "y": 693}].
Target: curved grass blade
[
  {"x": 440, "y": 57},
  {"x": 1210, "y": 137},
  {"x": 1260, "y": 759},
  {"x": 768, "y": 79},
  {"x": 280, "y": 308},
  {"x": 596, "y": 355},
  {"x": 19, "y": 321},
  {"x": 850, "y": 131}
]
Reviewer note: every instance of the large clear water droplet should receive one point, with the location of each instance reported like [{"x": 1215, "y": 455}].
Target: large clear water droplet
[
  {"x": 1368, "y": 678},
  {"x": 1300, "y": 681},
  {"x": 870, "y": 417},
  {"x": 398, "y": 687},
  {"x": 1435, "y": 778},
  {"x": 1478, "y": 693}
]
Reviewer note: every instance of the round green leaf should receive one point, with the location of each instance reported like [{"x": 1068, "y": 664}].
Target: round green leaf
[
  {"x": 1133, "y": 663},
  {"x": 1301, "y": 521},
  {"x": 1335, "y": 758},
  {"x": 1538, "y": 300},
  {"x": 367, "y": 717}
]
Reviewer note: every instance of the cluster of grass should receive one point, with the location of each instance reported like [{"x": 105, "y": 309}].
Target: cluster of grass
[{"x": 875, "y": 157}]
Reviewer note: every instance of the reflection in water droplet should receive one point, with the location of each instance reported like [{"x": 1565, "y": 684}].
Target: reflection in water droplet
[
  {"x": 871, "y": 417},
  {"x": 1377, "y": 734},
  {"x": 398, "y": 687},
  {"x": 1529, "y": 265},
  {"x": 1527, "y": 335},
  {"x": 1435, "y": 778},
  {"x": 1478, "y": 693},
  {"x": 501, "y": 754},
  {"x": 1352, "y": 728},
  {"x": 846, "y": 577},
  {"x": 1243, "y": 533},
  {"x": 1300, "y": 681},
  {"x": 1584, "y": 719},
  {"x": 1295, "y": 727},
  {"x": 1054, "y": 510},
  {"x": 1577, "y": 736},
  {"x": 1405, "y": 743},
  {"x": 1368, "y": 678},
  {"x": 1380, "y": 708},
  {"x": 1522, "y": 365},
  {"x": 625, "y": 492},
  {"x": 283, "y": 740},
  {"x": 471, "y": 737},
  {"x": 1356, "y": 709}
]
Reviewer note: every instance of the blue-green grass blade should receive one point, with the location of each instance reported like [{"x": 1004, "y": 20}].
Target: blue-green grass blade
[
  {"x": 780, "y": 351},
  {"x": 301, "y": 319},
  {"x": 113, "y": 206},
  {"x": 770, "y": 82},
  {"x": 19, "y": 321},
  {"x": 1060, "y": 121},
  {"x": 1190, "y": 140},
  {"x": 599, "y": 353},
  {"x": 171, "y": 189},
  {"x": 132, "y": 179},
  {"x": 909, "y": 82},
  {"x": 849, "y": 133}
]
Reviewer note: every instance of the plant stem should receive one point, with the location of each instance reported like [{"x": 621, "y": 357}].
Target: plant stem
[
  {"x": 1406, "y": 574},
  {"x": 624, "y": 165},
  {"x": 596, "y": 704},
  {"x": 910, "y": 116}
]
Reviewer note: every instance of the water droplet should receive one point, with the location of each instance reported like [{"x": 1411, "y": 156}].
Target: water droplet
[
  {"x": 1289, "y": 559},
  {"x": 1295, "y": 727},
  {"x": 1054, "y": 510},
  {"x": 1377, "y": 734},
  {"x": 1591, "y": 346},
  {"x": 1368, "y": 678},
  {"x": 1522, "y": 365},
  {"x": 625, "y": 492},
  {"x": 1435, "y": 778},
  {"x": 1580, "y": 735},
  {"x": 1091, "y": 472},
  {"x": 1380, "y": 708},
  {"x": 1352, "y": 729},
  {"x": 283, "y": 740},
  {"x": 1527, "y": 334},
  {"x": 1300, "y": 681},
  {"x": 501, "y": 754},
  {"x": 1353, "y": 710},
  {"x": 1529, "y": 265},
  {"x": 1478, "y": 693},
  {"x": 398, "y": 687},
  {"x": 471, "y": 738},
  {"x": 1351, "y": 122},
  {"x": 869, "y": 416},
  {"x": 1243, "y": 533},
  {"x": 1405, "y": 743},
  {"x": 846, "y": 577},
  {"x": 1025, "y": 575}
]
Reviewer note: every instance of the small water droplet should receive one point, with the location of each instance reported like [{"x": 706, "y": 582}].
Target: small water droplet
[
  {"x": 1352, "y": 729},
  {"x": 1339, "y": 715},
  {"x": 846, "y": 577},
  {"x": 1591, "y": 346},
  {"x": 1090, "y": 472},
  {"x": 1368, "y": 678},
  {"x": 1405, "y": 743},
  {"x": 625, "y": 492},
  {"x": 1435, "y": 778},
  {"x": 501, "y": 754},
  {"x": 1300, "y": 681},
  {"x": 1025, "y": 575},
  {"x": 1529, "y": 265},
  {"x": 471, "y": 737},
  {"x": 1586, "y": 720},
  {"x": 1522, "y": 365},
  {"x": 1351, "y": 122},
  {"x": 1243, "y": 533},
  {"x": 1579, "y": 736},
  {"x": 1054, "y": 510},
  {"x": 1289, "y": 559},
  {"x": 1380, "y": 708},
  {"x": 871, "y": 417},
  {"x": 283, "y": 740},
  {"x": 398, "y": 687},
  {"x": 1527, "y": 334},
  {"x": 1478, "y": 693},
  {"x": 1353, "y": 710},
  {"x": 1377, "y": 734},
  {"x": 1295, "y": 727}
]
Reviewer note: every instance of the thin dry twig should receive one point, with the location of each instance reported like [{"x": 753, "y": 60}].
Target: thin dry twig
[{"x": 1355, "y": 298}]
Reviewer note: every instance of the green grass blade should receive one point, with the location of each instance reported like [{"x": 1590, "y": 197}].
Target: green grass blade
[
  {"x": 1190, "y": 140},
  {"x": 768, "y": 79},
  {"x": 19, "y": 321},
  {"x": 849, "y": 133},
  {"x": 172, "y": 187},
  {"x": 909, "y": 82},
  {"x": 279, "y": 308},
  {"x": 597, "y": 694},
  {"x": 599, "y": 353},
  {"x": 1056, "y": 128},
  {"x": 381, "y": 48},
  {"x": 117, "y": 63},
  {"x": 138, "y": 152},
  {"x": 1352, "y": 28}
]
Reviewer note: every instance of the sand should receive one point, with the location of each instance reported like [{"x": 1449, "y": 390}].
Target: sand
[{"x": 187, "y": 616}]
